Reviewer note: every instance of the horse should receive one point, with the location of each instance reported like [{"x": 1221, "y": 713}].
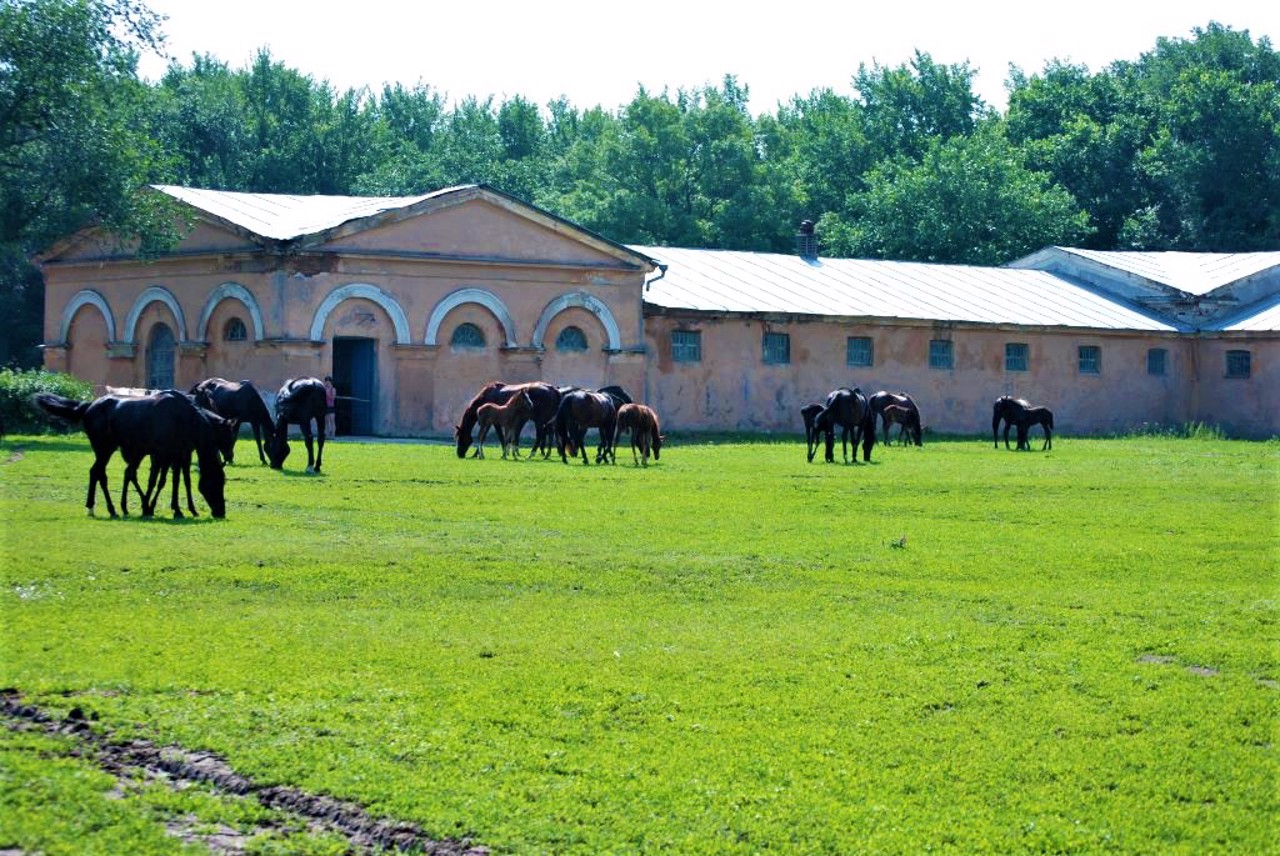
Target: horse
[
  {"x": 911, "y": 425},
  {"x": 238, "y": 401},
  {"x": 642, "y": 423},
  {"x": 210, "y": 427},
  {"x": 1041, "y": 416},
  {"x": 809, "y": 413},
  {"x": 906, "y": 420},
  {"x": 300, "y": 402},
  {"x": 848, "y": 409},
  {"x": 504, "y": 418},
  {"x": 545, "y": 398},
  {"x": 579, "y": 410},
  {"x": 167, "y": 426},
  {"x": 1011, "y": 412}
]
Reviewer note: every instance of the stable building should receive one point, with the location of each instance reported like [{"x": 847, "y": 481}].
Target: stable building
[{"x": 412, "y": 303}]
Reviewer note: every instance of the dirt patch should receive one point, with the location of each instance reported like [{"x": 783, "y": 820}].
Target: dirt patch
[{"x": 123, "y": 758}]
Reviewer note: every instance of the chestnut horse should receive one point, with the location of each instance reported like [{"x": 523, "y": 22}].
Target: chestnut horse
[
  {"x": 642, "y": 423},
  {"x": 905, "y": 419},
  {"x": 909, "y": 423},
  {"x": 579, "y": 410},
  {"x": 504, "y": 417},
  {"x": 545, "y": 398}
]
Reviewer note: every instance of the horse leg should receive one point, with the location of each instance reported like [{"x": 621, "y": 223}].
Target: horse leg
[
  {"x": 98, "y": 475},
  {"x": 257, "y": 439},
  {"x": 311, "y": 451},
  {"x": 1048, "y": 438},
  {"x": 186, "y": 480},
  {"x": 320, "y": 443},
  {"x": 153, "y": 489}
]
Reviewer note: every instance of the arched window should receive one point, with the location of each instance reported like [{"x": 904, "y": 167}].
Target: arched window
[
  {"x": 571, "y": 339},
  {"x": 234, "y": 331},
  {"x": 159, "y": 359},
  {"x": 467, "y": 336}
]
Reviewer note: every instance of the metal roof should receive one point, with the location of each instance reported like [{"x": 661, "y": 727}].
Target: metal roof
[
  {"x": 1192, "y": 273},
  {"x": 735, "y": 281},
  {"x": 284, "y": 217},
  {"x": 1261, "y": 318}
]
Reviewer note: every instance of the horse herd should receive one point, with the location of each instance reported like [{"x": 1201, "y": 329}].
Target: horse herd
[{"x": 170, "y": 426}]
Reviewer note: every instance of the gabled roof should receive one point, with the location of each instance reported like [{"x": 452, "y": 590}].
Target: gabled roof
[
  {"x": 1196, "y": 274},
  {"x": 734, "y": 281},
  {"x": 1261, "y": 318}
]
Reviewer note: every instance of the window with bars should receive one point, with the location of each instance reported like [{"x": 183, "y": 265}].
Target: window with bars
[
  {"x": 467, "y": 335},
  {"x": 941, "y": 354},
  {"x": 777, "y": 349},
  {"x": 859, "y": 351},
  {"x": 571, "y": 339},
  {"x": 1016, "y": 357},
  {"x": 686, "y": 346},
  {"x": 1157, "y": 358},
  {"x": 1239, "y": 364},
  {"x": 234, "y": 331},
  {"x": 159, "y": 358},
  {"x": 1089, "y": 359}
]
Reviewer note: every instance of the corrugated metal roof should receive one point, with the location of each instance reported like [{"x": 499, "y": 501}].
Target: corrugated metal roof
[
  {"x": 284, "y": 217},
  {"x": 734, "y": 281},
  {"x": 1262, "y": 318},
  {"x": 1193, "y": 273}
]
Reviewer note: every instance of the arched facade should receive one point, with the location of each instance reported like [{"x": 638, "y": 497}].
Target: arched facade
[{"x": 231, "y": 291}]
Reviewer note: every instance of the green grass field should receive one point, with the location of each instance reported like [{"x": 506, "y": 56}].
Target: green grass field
[{"x": 953, "y": 649}]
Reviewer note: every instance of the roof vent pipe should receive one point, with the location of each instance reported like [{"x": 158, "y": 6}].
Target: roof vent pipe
[{"x": 806, "y": 241}]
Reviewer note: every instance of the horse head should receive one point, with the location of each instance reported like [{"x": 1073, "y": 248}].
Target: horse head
[{"x": 277, "y": 445}]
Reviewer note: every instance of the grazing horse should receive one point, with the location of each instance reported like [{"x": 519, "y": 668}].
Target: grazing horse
[
  {"x": 642, "y": 423},
  {"x": 1011, "y": 411},
  {"x": 812, "y": 437},
  {"x": 579, "y": 410},
  {"x": 910, "y": 425},
  {"x": 906, "y": 420},
  {"x": 300, "y": 402},
  {"x": 167, "y": 426},
  {"x": 848, "y": 409},
  {"x": 210, "y": 427},
  {"x": 545, "y": 398},
  {"x": 240, "y": 402},
  {"x": 1041, "y": 416},
  {"x": 504, "y": 417}
]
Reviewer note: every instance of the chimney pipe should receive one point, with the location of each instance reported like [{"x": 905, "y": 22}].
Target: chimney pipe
[{"x": 806, "y": 241}]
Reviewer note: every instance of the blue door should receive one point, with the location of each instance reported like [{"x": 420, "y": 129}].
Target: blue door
[{"x": 355, "y": 374}]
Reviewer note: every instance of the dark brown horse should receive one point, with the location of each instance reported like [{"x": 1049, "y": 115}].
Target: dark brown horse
[
  {"x": 642, "y": 423},
  {"x": 848, "y": 410},
  {"x": 545, "y": 398},
  {"x": 812, "y": 437},
  {"x": 166, "y": 426},
  {"x": 1011, "y": 412},
  {"x": 300, "y": 402},
  {"x": 908, "y": 420},
  {"x": 1041, "y": 416},
  {"x": 504, "y": 418},
  {"x": 582, "y": 409},
  {"x": 240, "y": 402}
]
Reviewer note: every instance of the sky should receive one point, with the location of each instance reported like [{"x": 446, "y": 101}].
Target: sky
[{"x": 600, "y": 53}]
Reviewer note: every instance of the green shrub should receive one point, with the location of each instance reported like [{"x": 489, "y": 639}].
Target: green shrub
[{"x": 18, "y": 413}]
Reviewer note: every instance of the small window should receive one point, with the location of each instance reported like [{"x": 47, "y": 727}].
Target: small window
[
  {"x": 777, "y": 349},
  {"x": 1090, "y": 359},
  {"x": 467, "y": 336},
  {"x": 1016, "y": 358},
  {"x": 859, "y": 351},
  {"x": 686, "y": 346},
  {"x": 941, "y": 355},
  {"x": 1156, "y": 358},
  {"x": 234, "y": 331},
  {"x": 571, "y": 339},
  {"x": 159, "y": 358},
  {"x": 1239, "y": 364}
]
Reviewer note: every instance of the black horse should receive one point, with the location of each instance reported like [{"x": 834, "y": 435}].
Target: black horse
[
  {"x": 299, "y": 402},
  {"x": 544, "y": 397},
  {"x": 1041, "y": 416},
  {"x": 209, "y": 428},
  {"x": 812, "y": 437},
  {"x": 847, "y": 409},
  {"x": 240, "y": 402},
  {"x": 1011, "y": 412},
  {"x": 910, "y": 421},
  {"x": 582, "y": 409},
  {"x": 166, "y": 426}
]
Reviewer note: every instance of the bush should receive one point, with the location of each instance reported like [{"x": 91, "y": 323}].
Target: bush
[{"x": 19, "y": 414}]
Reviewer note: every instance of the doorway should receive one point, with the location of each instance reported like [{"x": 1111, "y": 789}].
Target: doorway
[{"x": 355, "y": 375}]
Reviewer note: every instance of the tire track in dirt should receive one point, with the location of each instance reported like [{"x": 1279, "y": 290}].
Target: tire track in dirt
[{"x": 119, "y": 757}]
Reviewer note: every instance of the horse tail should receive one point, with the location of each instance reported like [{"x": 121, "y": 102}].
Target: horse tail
[{"x": 68, "y": 409}]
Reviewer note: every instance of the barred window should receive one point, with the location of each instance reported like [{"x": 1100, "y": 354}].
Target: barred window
[
  {"x": 859, "y": 351},
  {"x": 686, "y": 346},
  {"x": 1156, "y": 359},
  {"x": 1016, "y": 357},
  {"x": 777, "y": 348},
  {"x": 1090, "y": 359},
  {"x": 467, "y": 336},
  {"x": 1239, "y": 364},
  {"x": 571, "y": 339},
  {"x": 234, "y": 331},
  {"x": 941, "y": 354},
  {"x": 159, "y": 358}
]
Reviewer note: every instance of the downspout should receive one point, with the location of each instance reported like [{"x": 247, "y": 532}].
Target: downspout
[{"x": 662, "y": 271}]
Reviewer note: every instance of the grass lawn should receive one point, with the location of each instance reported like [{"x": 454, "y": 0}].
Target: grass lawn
[{"x": 953, "y": 649}]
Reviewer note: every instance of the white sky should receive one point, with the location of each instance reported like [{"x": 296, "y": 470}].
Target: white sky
[{"x": 599, "y": 53}]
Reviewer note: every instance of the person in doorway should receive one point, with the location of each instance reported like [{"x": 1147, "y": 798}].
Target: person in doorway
[{"x": 330, "y": 407}]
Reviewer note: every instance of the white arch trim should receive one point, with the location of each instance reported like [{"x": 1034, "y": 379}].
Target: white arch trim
[
  {"x": 364, "y": 291},
  {"x": 487, "y": 299},
  {"x": 154, "y": 294},
  {"x": 230, "y": 291},
  {"x": 587, "y": 302},
  {"x": 87, "y": 297}
]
